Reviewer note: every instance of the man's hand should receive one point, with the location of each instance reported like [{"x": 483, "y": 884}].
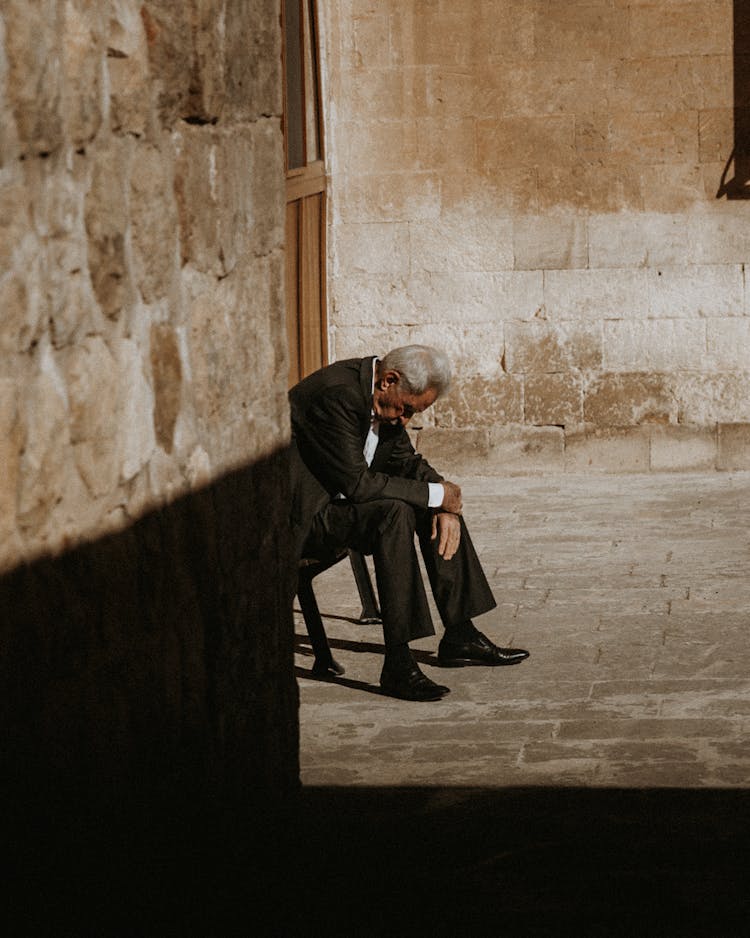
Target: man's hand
[
  {"x": 452, "y": 500},
  {"x": 447, "y": 527}
]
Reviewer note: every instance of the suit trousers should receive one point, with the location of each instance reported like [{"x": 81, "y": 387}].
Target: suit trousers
[{"x": 386, "y": 528}]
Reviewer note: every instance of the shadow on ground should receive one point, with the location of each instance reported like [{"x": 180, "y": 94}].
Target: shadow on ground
[{"x": 388, "y": 861}]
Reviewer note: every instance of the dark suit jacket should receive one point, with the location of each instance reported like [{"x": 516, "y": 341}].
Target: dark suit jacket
[{"x": 331, "y": 412}]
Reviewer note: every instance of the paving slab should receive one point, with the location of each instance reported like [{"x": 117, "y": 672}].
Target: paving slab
[{"x": 632, "y": 594}]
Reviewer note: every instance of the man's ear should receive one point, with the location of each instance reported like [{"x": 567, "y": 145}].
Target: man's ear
[{"x": 392, "y": 377}]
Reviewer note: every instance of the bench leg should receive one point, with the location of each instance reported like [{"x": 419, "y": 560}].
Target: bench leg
[
  {"x": 370, "y": 614},
  {"x": 325, "y": 664}
]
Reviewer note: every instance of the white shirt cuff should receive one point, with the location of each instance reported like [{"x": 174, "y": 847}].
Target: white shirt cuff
[{"x": 436, "y": 496}]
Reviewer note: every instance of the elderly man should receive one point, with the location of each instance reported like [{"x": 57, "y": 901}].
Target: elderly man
[{"x": 358, "y": 483}]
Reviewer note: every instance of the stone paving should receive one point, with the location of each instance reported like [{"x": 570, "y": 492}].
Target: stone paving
[{"x": 632, "y": 594}]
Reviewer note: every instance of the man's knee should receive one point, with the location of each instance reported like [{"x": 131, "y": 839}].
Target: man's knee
[{"x": 396, "y": 515}]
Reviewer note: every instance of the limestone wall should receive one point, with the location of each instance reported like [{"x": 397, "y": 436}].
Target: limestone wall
[
  {"x": 533, "y": 185},
  {"x": 143, "y": 413}
]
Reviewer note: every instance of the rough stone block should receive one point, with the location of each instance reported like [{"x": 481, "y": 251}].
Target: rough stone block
[
  {"x": 660, "y": 345},
  {"x": 683, "y": 448},
  {"x": 373, "y": 248},
  {"x": 693, "y": 290},
  {"x": 130, "y": 95},
  {"x": 379, "y": 147},
  {"x": 391, "y": 198},
  {"x": 696, "y": 28},
  {"x": 664, "y": 83},
  {"x": 253, "y": 81},
  {"x": 45, "y": 467},
  {"x": 674, "y": 187},
  {"x": 454, "y": 451},
  {"x": 445, "y": 145},
  {"x": 107, "y": 223},
  {"x": 734, "y": 446},
  {"x": 463, "y": 241},
  {"x": 728, "y": 344},
  {"x": 136, "y": 429},
  {"x": 544, "y": 242},
  {"x": 519, "y": 142},
  {"x": 637, "y": 240},
  {"x": 553, "y": 400},
  {"x": 720, "y": 237},
  {"x": 608, "y": 451},
  {"x": 227, "y": 196},
  {"x": 166, "y": 377},
  {"x": 367, "y": 45},
  {"x": 544, "y": 348},
  {"x": 705, "y": 399},
  {"x": 628, "y": 400},
  {"x": 476, "y": 297},
  {"x": 372, "y": 300},
  {"x": 480, "y": 401},
  {"x": 83, "y": 42},
  {"x": 595, "y": 294},
  {"x": 658, "y": 137},
  {"x": 35, "y": 72},
  {"x": 154, "y": 221},
  {"x": 716, "y": 133},
  {"x": 525, "y": 449},
  {"x": 10, "y": 447},
  {"x": 597, "y": 186},
  {"x": 580, "y": 31},
  {"x": 381, "y": 93}
]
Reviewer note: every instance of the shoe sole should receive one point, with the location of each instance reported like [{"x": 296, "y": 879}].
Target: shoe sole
[
  {"x": 437, "y": 696},
  {"x": 474, "y": 663}
]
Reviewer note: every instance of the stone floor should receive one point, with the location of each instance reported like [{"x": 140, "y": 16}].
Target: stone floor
[
  {"x": 632, "y": 594},
  {"x": 600, "y": 788}
]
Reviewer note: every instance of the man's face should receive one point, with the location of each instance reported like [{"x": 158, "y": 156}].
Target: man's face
[{"x": 394, "y": 405}]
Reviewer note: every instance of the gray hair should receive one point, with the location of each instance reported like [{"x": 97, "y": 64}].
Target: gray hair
[{"x": 421, "y": 368}]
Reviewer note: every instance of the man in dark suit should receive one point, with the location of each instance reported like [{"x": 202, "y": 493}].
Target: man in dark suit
[{"x": 358, "y": 483}]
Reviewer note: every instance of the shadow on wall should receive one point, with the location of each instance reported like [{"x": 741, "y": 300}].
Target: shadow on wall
[
  {"x": 421, "y": 861},
  {"x": 156, "y": 660},
  {"x": 738, "y": 187}
]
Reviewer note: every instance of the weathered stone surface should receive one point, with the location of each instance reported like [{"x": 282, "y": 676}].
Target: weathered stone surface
[
  {"x": 542, "y": 243},
  {"x": 107, "y": 223},
  {"x": 83, "y": 42},
  {"x": 628, "y": 400},
  {"x": 154, "y": 222},
  {"x": 658, "y": 345},
  {"x": 524, "y": 449},
  {"x": 544, "y": 348},
  {"x": 10, "y": 447},
  {"x": 166, "y": 376},
  {"x": 35, "y": 73},
  {"x": 680, "y": 448},
  {"x": 481, "y": 401},
  {"x": 46, "y": 434},
  {"x": 454, "y": 452},
  {"x": 705, "y": 399},
  {"x": 608, "y": 450},
  {"x": 130, "y": 96},
  {"x": 553, "y": 400},
  {"x": 734, "y": 446},
  {"x": 714, "y": 291},
  {"x": 215, "y": 169},
  {"x": 109, "y": 415}
]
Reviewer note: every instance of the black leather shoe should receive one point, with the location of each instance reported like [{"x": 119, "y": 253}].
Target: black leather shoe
[
  {"x": 477, "y": 651},
  {"x": 411, "y": 684},
  {"x": 327, "y": 669}
]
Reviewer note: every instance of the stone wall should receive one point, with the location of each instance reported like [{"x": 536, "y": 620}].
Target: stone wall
[
  {"x": 143, "y": 414},
  {"x": 541, "y": 188}
]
